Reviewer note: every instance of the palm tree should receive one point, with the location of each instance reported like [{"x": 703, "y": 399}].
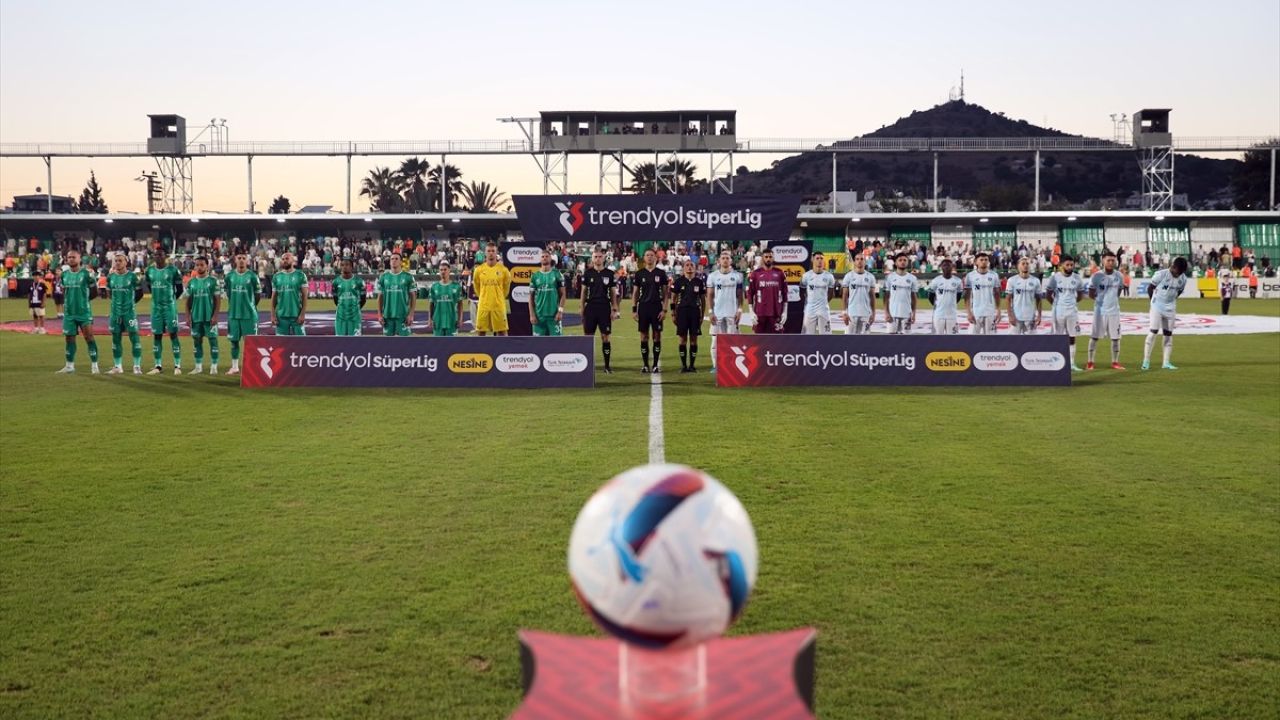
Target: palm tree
[
  {"x": 383, "y": 188},
  {"x": 484, "y": 198},
  {"x": 643, "y": 179},
  {"x": 685, "y": 173},
  {"x": 413, "y": 173},
  {"x": 452, "y": 180}
]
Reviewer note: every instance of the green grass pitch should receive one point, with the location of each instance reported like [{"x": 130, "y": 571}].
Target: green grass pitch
[{"x": 177, "y": 547}]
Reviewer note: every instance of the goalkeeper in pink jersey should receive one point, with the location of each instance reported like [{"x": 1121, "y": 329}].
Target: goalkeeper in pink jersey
[{"x": 767, "y": 290}]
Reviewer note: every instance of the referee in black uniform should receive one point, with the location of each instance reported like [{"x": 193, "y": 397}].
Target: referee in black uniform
[
  {"x": 599, "y": 296},
  {"x": 649, "y": 306},
  {"x": 689, "y": 304}
]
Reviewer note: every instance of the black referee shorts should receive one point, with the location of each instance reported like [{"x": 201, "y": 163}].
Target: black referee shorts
[
  {"x": 647, "y": 315},
  {"x": 597, "y": 317},
  {"x": 688, "y": 321}
]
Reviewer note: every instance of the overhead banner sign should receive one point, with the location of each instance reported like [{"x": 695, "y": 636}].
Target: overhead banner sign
[
  {"x": 451, "y": 362},
  {"x": 523, "y": 259},
  {"x": 773, "y": 360},
  {"x": 660, "y": 218}
]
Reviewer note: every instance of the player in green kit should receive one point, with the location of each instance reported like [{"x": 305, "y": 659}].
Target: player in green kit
[
  {"x": 77, "y": 319},
  {"x": 165, "y": 284},
  {"x": 289, "y": 298},
  {"x": 446, "y": 299},
  {"x": 546, "y": 307},
  {"x": 202, "y": 311},
  {"x": 396, "y": 298},
  {"x": 125, "y": 291},
  {"x": 242, "y": 290},
  {"x": 348, "y": 295}
]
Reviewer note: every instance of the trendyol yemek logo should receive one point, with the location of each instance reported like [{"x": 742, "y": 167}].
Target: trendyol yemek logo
[
  {"x": 571, "y": 216},
  {"x": 272, "y": 360}
]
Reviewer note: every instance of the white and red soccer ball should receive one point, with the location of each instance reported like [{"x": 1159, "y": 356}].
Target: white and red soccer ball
[{"x": 663, "y": 556}]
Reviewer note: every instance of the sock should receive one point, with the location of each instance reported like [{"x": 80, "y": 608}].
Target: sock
[
  {"x": 117, "y": 349},
  {"x": 198, "y": 347},
  {"x": 71, "y": 351},
  {"x": 684, "y": 356},
  {"x": 644, "y": 352},
  {"x": 1071, "y": 349},
  {"x": 157, "y": 347},
  {"x": 1115, "y": 351},
  {"x": 693, "y": 355},
  {"x": 1168, "y": 348},
  {"x": 177, "y": 349},
  {"x": 1146, "y": 348},
  {"x": 657, "y": 351},
  {"x": 235, "y": 351},
  {"x": 213, "y": 351},
  {"x": 607, "y": 348},
  {"x": 135, "y": 343},
  {"x": 93, "y": 350},
  {"x": 1093, "y": 348}
]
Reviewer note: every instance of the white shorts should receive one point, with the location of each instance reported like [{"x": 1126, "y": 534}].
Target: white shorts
[
  {"x": 37, "y": 312},
  {"x": 817, "y": 324},
  {"x": 1161, "y": 322},
  {"x": 1107, "y": 326},
  {"x": 945, "y": 325},
  {"x": 858, "y": 325},
  {"x": 1024, "y": 327},
  {"x": 899, "y": 326},
  {"x": 983, "y": 325},
  {"x": 724, "y": 326},
  {"x": 1068, "y": 325}
]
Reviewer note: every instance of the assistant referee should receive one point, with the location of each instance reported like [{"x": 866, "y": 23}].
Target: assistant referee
[
  {"x": 599, "y": 298},
  {"x": 648, "y": 307}
]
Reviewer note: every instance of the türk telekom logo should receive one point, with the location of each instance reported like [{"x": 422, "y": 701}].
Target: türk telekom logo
[
  {"x": 746, "y": 360},
  {"x": 272, "y": 359},
  {"x": 570, "y": 216}
]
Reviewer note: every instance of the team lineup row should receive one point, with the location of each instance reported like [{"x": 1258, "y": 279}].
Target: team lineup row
[{"x": 653, "y": 294}]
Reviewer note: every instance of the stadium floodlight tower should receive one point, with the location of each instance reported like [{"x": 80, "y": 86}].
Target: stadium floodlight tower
[
  {"x": 168, "y": 145},
  {"x": 1154, "y": 143},
  {"x": 612, "y": 135}
]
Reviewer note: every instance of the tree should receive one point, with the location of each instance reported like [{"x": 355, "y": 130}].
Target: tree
[
  {"x": 1008, "y": 198},
  {"x": 91, "y": 200},
  {"x": 643, "y": 179},
  {"x": 383, "y": 187},
  {"x": 484, "y": 198},
  {"x": 452, "y": 181},
  {"x": 417, "y": 195},
  {"x": 279, "y": 206},
  {"x": 1251, "y": 182}
]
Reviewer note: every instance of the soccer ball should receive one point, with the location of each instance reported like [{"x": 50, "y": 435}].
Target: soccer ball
[{"x": 663, "y": 556}]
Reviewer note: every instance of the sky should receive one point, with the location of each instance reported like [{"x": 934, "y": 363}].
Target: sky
[{"x": 92, "y": 71}]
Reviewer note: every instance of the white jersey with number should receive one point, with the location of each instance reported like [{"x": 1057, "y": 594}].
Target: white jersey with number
[
  {"x": 1167, "y": 289},
  {"x": 817, "y": 286},
  {"x": 1066, "y": 293},
  {"x": 861, "y": 287},
  {"x": 1023, "y": 291},
  {"x": 983, "y": 289},
  {"x": 900, "y": 288},
  {"x": 724, "y": 288},
  {"x": 946, "y": 291}
]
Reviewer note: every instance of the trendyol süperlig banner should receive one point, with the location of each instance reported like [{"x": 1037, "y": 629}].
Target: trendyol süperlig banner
[
  {"x": 658, "y": 218},
  {"x": 523, "y": 259},
  {"x": 480, "y": 362},
  {"x": 771, "y": 360}
]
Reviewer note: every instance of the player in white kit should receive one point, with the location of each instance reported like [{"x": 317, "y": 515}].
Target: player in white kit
[
  {"x": 726, "y": 288},
  {"x": 859, "y": 297},
  {"x": 946, "y": 289},
  {"x": 1023, "y": 291},
  {"x": 1164, "y": 290},
  {"x": 1104, "y": 288},
  {"x": 1064, "y": 290},
  {"x": 981, "y": 293},
  {"x": 900, "y": 289},
  {"x": 819, "y": 287}
]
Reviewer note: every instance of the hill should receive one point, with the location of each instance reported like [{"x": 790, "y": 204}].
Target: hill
[{"x": 1066, "y": 177}]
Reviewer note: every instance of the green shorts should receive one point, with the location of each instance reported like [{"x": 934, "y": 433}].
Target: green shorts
[
  {"x": 206, "y": 329},
  {"x": 349, "y": 327},
  {"x": 72, "y": 325},
  {"x": 238, "y": 328},
  {"x": 395, "y": 327},
  {"x": 122, "y": 324},
  {"x": 290, "y": 327},
  {"x": 547, "y": 327},
  {"x": 163, "y": 320},
  {"x": 439, "y": 331}
]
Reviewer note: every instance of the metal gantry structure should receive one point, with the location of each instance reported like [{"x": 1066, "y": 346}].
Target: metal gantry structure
[{"x": 551, "y": 153}]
